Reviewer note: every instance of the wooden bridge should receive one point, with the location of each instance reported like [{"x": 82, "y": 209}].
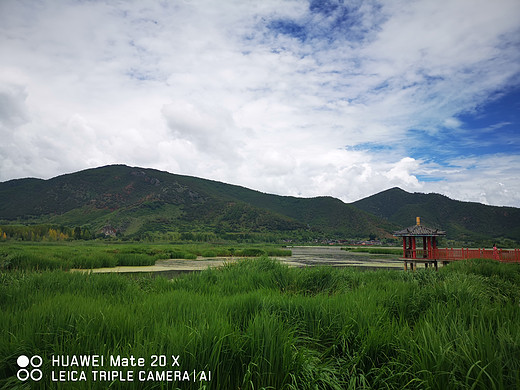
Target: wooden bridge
[
  {"x": 447, "y": 255},
  {"x": 430, "y": 254},
  {"x": 502, "y": 255}
]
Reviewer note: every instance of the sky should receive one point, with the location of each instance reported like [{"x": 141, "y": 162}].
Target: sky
[{"x": 301, "y": 98}]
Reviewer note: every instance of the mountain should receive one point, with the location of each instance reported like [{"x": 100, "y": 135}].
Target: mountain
[
  {"x": 463, "y": 221},
  {"x": 134, "y": 201}
]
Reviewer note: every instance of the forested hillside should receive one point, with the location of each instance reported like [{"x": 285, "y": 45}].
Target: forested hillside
[
  {"x": 135, "y": 201},
  {"x": 465, "y": 221}
]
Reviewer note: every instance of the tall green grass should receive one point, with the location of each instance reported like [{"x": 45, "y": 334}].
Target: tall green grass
[
  {"x": 67, "y": 256},
  {"x": 259, "y": 324},
  {"x": 64, "y": 256}
]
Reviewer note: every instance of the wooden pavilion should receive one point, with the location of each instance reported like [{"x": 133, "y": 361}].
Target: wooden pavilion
[
  {"x": 430, "y": 254},
  {"x": 412, "y": 236}
]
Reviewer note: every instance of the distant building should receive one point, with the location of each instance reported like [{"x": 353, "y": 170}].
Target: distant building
[{"x": 109, "y": 231}]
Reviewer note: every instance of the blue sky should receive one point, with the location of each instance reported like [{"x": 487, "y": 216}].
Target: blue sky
[
  {"x": 490, "y": 129},
  {"x": 303, "y": 98}
]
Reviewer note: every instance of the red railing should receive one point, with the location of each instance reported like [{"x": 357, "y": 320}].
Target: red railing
[
  {"x": 502, "y": 255},
  {"x": 450, "y": 254}
]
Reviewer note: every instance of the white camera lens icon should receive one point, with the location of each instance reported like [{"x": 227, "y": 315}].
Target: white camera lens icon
[
  {"x": 34, "y": 373},
  {"x": 23, "y": 361}
]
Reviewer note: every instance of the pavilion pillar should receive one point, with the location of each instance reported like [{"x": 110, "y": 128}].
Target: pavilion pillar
[
  {"x": 430, "y": 255},
  {"x": 425, "y": 253},
  {"x": 404, "y": 247},
  {"x": 414, "y": 250}
]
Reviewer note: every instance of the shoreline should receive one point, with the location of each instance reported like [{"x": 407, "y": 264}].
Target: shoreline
[{"x": 302, "y": 257}]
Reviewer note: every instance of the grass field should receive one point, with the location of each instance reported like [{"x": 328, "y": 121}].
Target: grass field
[
  {"x": 64, "y": 256},
  {"x": 258, "y": 324}
]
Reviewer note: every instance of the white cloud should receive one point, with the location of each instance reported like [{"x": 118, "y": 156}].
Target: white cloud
[
  {"x": 274, "y": 96},
  {"x": 492, "y": 179}
]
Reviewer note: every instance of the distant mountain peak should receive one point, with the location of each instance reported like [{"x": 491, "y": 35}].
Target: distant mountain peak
[
  {"x": 137, "y": 200},
  {"x": 462, "y": 220}
]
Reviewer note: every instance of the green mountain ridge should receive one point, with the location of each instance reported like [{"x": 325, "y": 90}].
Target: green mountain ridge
[
  {"x": 135, "y": 201},
  {"x": 463, "y": 221}
]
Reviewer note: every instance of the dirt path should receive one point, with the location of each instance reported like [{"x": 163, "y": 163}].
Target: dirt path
[{"x": 302, "y": 256}]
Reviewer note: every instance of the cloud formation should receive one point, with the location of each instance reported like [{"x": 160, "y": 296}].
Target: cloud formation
[{"x": 295, "y": 97}]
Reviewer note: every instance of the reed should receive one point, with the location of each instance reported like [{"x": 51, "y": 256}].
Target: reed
[
  {"x": 259, "y": 324},
  {"x": 86, "y": 255}
]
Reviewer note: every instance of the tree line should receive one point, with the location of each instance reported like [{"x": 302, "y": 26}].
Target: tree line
[{"x": 44, "y": 233}]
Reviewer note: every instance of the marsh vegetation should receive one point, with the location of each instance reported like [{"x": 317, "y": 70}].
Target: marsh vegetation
[
  {"x": 257, "y": 324},
  {"x": 87, "y": 255}
]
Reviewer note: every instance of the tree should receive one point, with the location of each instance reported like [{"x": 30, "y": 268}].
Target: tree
[
  {"x": 77, "y": 233},
  {"x": 53, "y": 234}
]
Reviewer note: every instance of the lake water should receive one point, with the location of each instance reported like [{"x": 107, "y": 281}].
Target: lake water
[
  {"x": 302, "y": 256},
  {"x": 335, "y": 257}
]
